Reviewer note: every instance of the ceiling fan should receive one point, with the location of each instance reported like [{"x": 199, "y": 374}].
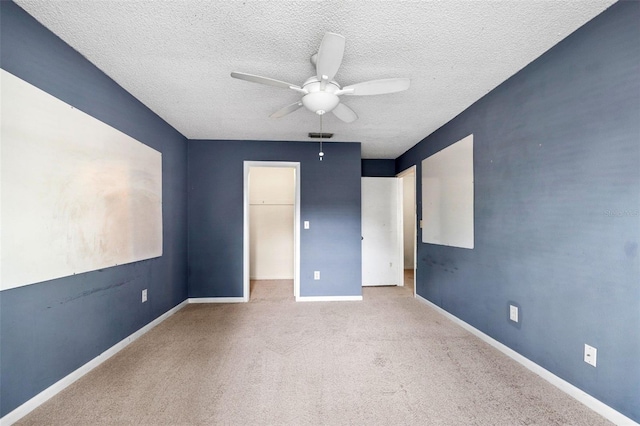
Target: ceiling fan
[{"x": 321, "y": 92}]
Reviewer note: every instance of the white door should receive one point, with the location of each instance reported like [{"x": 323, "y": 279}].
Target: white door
[{"x": 382, "y": 262}]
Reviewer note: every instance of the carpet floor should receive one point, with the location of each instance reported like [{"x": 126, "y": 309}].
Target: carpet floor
[{"x": 388, "y": 360}]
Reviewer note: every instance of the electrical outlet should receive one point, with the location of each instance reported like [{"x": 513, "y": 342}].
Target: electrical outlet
[
  {"x": 590, "y": 355},
  {"x": 144, "y": 295},
  {"x": 513, "y": 313},
  {"x": 316, "y": 275}
]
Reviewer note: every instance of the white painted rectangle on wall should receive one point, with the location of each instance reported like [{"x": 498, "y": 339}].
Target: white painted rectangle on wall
[
  {"x": 76, "y": 194},
  {"x": 447, "y": 196}
]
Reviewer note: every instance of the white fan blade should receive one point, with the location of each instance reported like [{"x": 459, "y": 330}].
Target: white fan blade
[
  {"x": 286, "y": 110},
  {"x": 345, "y": 113},
  {"x": 329, "y": 56},
  {"x": 262, "y": 80},
  {"x": 378, "y": 87}
]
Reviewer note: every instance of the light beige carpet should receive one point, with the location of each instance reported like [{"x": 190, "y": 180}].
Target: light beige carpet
[{"x": 388, "y": 360}]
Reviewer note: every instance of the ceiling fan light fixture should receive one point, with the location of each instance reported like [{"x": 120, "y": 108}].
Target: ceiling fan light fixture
[{"x": 320, "y": 102}]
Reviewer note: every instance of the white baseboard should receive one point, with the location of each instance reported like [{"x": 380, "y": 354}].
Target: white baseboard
[
  {"x": 328, "y": 298},
  {"x": 298, "y": 299},
  {"x": 278, "y": 278},
  {"x": 61, "y": 384},
  {"x": 596, "y": 405},
  {"x": 216, "y": 300}
]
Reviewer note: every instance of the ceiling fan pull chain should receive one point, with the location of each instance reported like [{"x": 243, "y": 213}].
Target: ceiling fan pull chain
[{"x": 321, "y": 154}]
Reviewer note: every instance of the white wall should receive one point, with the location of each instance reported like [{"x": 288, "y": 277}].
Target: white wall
[
  {"x": 271, "y": 210},
  {"x": 409, "y": 218}
]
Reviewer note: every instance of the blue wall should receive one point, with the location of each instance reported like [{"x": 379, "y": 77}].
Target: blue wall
[
  {"x": 330, "y": 200},
  {"x": 557, "y": 201},
  {"x": 378, "y": 168},
  {"x": 50, "y": 329}
]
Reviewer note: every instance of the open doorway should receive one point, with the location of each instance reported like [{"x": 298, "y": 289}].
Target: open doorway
[
  {"x": 408, "y": 207},
  {"x": 271, "y": 241},
  {"x": 382, "y": 263}
]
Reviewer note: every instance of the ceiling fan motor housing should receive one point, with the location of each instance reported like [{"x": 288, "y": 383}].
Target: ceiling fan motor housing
[{"x": 319, "y": 100}]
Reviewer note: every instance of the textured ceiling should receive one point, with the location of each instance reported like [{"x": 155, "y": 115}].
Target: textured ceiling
[{"x": 176, "y": 57}]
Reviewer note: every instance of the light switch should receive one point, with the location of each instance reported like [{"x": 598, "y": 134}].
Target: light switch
[{"x": 306, "y": 224}]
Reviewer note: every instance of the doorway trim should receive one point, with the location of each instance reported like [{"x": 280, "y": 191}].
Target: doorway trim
[
  {"x": 246, "y": 289},
  {"x": 413, "y": 170}
]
